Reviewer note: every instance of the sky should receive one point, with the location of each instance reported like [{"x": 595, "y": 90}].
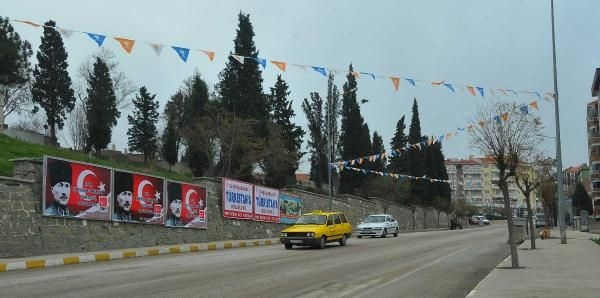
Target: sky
[{"x": 493, "y": 43}]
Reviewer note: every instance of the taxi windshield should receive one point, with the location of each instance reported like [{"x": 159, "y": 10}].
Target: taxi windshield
[
  {"x": 311, "y": 220},
  {"x": 375, "y": 219}
]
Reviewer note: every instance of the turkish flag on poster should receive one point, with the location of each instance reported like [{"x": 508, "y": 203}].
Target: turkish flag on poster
[
  {"x": 194, "y": 202},
  {"x": 138, "y": 198},
  {"x": 75, "y": 189}
]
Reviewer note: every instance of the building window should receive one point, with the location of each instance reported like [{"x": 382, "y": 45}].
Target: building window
[{"x": 596, "y": 185}]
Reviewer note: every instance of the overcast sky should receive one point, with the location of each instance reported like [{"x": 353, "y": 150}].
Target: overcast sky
[{"x": 493, "y": 43}]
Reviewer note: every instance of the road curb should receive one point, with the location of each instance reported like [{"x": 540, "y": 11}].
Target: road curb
[{"x": 41, "y": 262}]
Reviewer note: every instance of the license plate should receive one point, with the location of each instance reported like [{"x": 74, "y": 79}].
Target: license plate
[{"x": 295, "y": 241}]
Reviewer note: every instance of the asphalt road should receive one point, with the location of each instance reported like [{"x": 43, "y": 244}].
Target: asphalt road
[{"x": 424, "y": 264}]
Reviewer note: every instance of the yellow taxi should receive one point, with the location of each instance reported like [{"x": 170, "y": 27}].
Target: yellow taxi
[{"x": 316, "y": 229}]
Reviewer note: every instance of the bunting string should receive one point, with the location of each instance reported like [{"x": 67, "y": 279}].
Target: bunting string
[
  {"x": 393, "y": 175},
  {"x": 499, "y": 119},
  {"x": 184, "y": 52}
]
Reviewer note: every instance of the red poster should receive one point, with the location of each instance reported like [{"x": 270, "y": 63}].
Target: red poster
[
  {"x": 138, "y": 198},
  {"x": 76, "y": 190},
  {"x": 186, "y": 206}
]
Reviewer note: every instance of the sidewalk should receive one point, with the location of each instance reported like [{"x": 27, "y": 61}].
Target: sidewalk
[
  {"x": 100, "y": 256},
  {"x": 552, "y": 270}
]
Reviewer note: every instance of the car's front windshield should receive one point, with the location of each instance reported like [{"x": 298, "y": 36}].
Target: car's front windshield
[
  {"x": 375, "y": 219},
  {"x": 311, "y": 220}
]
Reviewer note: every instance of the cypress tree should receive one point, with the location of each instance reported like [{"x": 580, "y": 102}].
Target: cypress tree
[
  {"x": 377, "y": 148},
  {"x": 142, "y": 131},
  {"x": 317, "y": 144},
  {"x": 416, "y": 158},
  {"x": 101, "y": 107},
  {"x": 240, "y": 85},
  {"x": 282, "y": 113},
  {"x": 398, "y": 162},
  {"x": 52, "y": 85},
  {"x": 169, "y": 144},
  {"x": 355, "y": 139},
  {"x": 195, "y": 103}
]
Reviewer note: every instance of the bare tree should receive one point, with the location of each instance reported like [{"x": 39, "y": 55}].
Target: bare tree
[
  {"x": 502, "y": 132},
  {"x": 17, "y": 98},
  {"x": 77, "y": 127},
  {"x": 123, "y": 86},
  {"x": 529, "y": 177},
  {"x": 32, "y": 122}
]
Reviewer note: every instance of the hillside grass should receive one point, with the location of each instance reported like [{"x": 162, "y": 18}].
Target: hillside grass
[{"x": 12, "y": 148}]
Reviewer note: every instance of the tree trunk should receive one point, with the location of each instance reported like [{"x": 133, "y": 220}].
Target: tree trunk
[
  {"x": 509, "y": 221},
  {"x": 145, "y": 158},
  {"x": 532, "y": 233}
]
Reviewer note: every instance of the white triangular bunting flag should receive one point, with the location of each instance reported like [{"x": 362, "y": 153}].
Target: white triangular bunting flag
[
  {"x": 157, "y": 48},
  {"x": 239, "y": 59},
  {"x": 66, "y": 33}
]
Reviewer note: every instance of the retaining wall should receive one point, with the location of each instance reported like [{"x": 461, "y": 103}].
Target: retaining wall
[{"x": 25, "y": 232}]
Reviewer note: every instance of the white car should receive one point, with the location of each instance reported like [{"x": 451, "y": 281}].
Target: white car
[
  {"x": 481, "y": 219},
  {"x": 378, "y": 225}
]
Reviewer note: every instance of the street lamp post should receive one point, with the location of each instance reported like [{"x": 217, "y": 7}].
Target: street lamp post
[{"x": 559, "y": 177}]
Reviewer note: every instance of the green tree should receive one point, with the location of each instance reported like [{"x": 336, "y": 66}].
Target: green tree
[
  {"x": 377, "y": 148},
  {"x": 282, "y": 113},
  {"x": 355, "y": 139},
  {"x": 170, "y": 139},
  {"x": 174, "y": 109},
  {"x": 101, "y": 107},
  {"x": 317, "y": 144},
  {"x": 581, "y": 200},
  {"x": 52, "y": 85},
  {"x": 142, "y": 134},
  {"x": 15, "y": 70},
  {"x": 277, "y": 160},
  {"x": 398, "y": 162},
  {"x": 416, "y": 158},
  {"x": 240, "y": 85},
  {"x": 195, "y": 106}
]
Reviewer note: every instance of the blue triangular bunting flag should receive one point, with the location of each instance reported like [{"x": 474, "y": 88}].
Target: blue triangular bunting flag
[
  {"x": 480, "y": 91},
  {"x": 369, "y": 74},
  {"x": 449, "y": 87},
  {"x": 411, "y": 81},
  {"x": 182, "y": 52},
  {"x": 524, "y": 109},
  {"x": 99, "y": 39},
  {"x": 320, "y": 70},
  {"x": 538, "y": 94},
  {"x": 440, "y": 138},
  {"x": 262, "y": 62},
  {"x": 497, "y": 118}
]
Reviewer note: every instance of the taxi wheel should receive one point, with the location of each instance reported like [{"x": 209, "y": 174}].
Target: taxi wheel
[
  {"x": 359, "y": 237},
  {"x": 288, "y": 246},
  {"x": 396, "y": 233},
  {"x": 343, "y": 241},
  {"x": 322, "y": 242},
  {"x": 384, "y": 234}
]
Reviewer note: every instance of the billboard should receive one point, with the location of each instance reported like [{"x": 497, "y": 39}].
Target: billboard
[
  {"x": 290, "y": 207},
  {"x": 266, "y": 204},
  {"x": 237, "y": 199},
  {"x": 137, "y": 198},
  {"x": 186, "y": 205},
  {"x": 76, "y": 190}
]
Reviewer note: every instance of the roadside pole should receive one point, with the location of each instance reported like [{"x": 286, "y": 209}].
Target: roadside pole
[{"x": 559, "y": 177}]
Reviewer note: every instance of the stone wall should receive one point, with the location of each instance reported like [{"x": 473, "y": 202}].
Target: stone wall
[{"x": 25, "y": 232}]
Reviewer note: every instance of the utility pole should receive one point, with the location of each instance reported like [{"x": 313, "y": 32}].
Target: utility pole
[{"x": 559, "y": 177}]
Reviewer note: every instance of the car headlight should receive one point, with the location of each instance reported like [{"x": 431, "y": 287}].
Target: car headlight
[
  {"x": 283, "y": 234},
  {"x": 311, "y": 234}
]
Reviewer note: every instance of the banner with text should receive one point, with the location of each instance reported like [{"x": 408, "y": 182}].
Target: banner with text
[
  {"x": 237, "y": 199},
  {"x": 76, "y": 190},
  {"x": 266, "y": 204},
  {"x": 138, "y": 198},
  {"x": 186, "y": 205},
  {"x": 290, "y": 207}
]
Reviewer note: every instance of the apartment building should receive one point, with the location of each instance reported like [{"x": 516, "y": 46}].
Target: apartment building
[
  {"x": 593, "y": 134},
  {"x": 476, "y": 180}
]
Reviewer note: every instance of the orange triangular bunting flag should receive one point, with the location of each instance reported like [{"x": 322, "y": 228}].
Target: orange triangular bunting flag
[
  {"x": 482, "y": 123},
  {"x": 360, "y": 160},
  {"x": 210, "y": 54},
  {"x": 438, "y": 83},
  {"x": 504, "y": 116},
  {"x": 534, "y": 105},
  {"x": 126, "y": 44},
  {"x": 355, "y": 74},
  {"x": 28, "y": 23},
  {"x": 280, "y": 65},
  {"x": 429, "y": 141},
  {"x": 471, "y": 90},
  {"x": 396, "y": 82}
]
